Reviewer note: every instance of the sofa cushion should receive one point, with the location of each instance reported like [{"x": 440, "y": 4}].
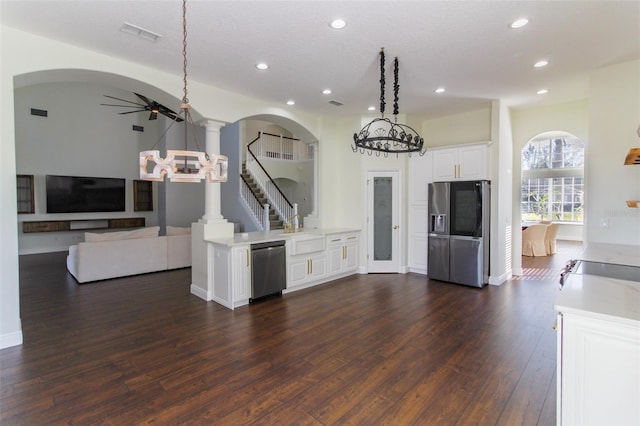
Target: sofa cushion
[
  {"x": 149, "y": 232},
  {"x": 177, "y": 230}
]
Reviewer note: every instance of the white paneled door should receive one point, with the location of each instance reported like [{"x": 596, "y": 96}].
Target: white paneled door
[{"x": 383, "y": 221}]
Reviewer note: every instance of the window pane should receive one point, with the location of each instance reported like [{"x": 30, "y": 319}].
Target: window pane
[{"x": 546, "y": 197}]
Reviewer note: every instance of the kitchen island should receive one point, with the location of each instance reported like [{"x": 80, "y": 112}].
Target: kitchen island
[
  {"x": 313, "y": 257},
  {"x": 599, "y": 338}
]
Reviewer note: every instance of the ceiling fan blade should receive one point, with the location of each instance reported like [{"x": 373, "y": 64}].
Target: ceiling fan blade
[
  {"x": 153, "y": 115},
  {"x": 173, "y": 117},
  {"x": 144, "y": 99},
  {"x": 124, "y": 100},
  {"x": 124, "y": 106},
  {"x": 131, "y": 112}
]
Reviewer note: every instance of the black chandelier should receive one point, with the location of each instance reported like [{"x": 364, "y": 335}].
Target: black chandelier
[{"x": 382, "y": 135}]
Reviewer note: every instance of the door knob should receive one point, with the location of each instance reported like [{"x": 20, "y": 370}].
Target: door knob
[{"x": 395, "y": 226}]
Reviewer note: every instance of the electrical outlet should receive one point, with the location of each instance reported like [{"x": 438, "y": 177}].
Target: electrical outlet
[{"x": 604, "y": 222}]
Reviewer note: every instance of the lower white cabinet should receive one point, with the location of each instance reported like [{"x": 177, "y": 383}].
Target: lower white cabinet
[
  {"x": 342, "y": 253},
  {"x": 599, "y": 371},
  {"x": 241, "y": 279},
  {"x": 306, "y": 268},
  {"x": 318, "y": 264}
]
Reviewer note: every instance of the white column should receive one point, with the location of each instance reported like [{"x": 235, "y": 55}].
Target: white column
[
  {"x": 312, "y": 220},
  {"x": 211, "y": 226},
  {"x": 212, "y": 190}
]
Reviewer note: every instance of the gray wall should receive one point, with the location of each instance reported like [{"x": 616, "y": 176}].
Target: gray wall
[{"x": 80, "y": 137}]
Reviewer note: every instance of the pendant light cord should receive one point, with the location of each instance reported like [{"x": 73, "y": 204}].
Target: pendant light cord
[
  {"x": 382, "y": 82},
  {"x": 185, "y": 99}
]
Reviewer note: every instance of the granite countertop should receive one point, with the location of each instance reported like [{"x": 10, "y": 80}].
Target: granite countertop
[
  {"x": 602, "y": 297},
  {"x": 278, "y": 234}
]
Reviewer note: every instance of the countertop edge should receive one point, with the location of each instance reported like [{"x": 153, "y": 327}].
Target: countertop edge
[{"x": 263, "y": 237}]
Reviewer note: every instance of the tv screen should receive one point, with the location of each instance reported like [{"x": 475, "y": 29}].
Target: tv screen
[{"x": 72, "y": 194}]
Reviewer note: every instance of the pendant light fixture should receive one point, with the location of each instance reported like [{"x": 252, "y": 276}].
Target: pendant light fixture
[
  {"x": 382, "y": 135},
  {"x": 184, "y": 165}
]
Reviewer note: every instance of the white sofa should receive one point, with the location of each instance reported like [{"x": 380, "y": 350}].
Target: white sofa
[{"x": 118, "y": 254}]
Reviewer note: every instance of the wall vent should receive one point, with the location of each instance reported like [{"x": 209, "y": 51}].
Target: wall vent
[
  {"x": 39, "y": 112},
  {"x": 335, "y": 103},
  {"x": 138, "y": 128}
]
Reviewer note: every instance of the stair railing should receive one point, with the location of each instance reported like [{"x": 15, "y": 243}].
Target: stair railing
[
  {"x": 260, "y": 212},
  {"x": 276, "y": 197}
]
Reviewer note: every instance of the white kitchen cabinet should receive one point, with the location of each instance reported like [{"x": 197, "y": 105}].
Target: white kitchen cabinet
[
  {"x": 599, "y": 372},
  {"x": 304, "y": 269},
  {"x": 342, "y": 253},
  {"x": 461, "y": 162},
  {"x": 232, "y": 275},
  {"x": 420, "y": 173},
  {"x": 241, "y": 260},
  {"x": 598, "y": 348}
]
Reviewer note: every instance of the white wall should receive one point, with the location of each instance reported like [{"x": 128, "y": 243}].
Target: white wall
[
  {"x": 614, "y": 117},
  {"x": 466, "y": 127}
]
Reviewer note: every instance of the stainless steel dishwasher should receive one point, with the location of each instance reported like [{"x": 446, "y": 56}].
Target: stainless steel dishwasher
[{"x": 269, "y": 269}]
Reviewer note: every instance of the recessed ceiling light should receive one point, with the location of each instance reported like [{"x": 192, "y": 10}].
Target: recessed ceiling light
[
  {"x": 338, "y": 24},
  {"x": 262, "y": 66},
  {"x": 291, "y": 102},
  {"x": 519, "y": 23},
  {"x": 326, "y": 92},
  {"x": 540, "y": 64},
  {"x": 542, "y": 91},
  {"x": 440, "y": 90},
  {"x": 371, "y": 108}
]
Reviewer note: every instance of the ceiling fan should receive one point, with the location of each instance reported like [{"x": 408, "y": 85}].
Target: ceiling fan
[{"x": 149, "y": 105}]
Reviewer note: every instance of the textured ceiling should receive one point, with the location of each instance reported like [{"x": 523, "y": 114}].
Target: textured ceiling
[{"x": 465, "y": 46}]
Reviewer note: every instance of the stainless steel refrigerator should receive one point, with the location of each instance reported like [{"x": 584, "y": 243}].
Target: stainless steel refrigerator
[{"x": 459, "y": 223}]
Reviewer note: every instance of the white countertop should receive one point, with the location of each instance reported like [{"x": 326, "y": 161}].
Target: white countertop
[
  {"x": 278, "y": 234},
  {"x": 601, "y": 297},
  {"x": 612, "y": 253}
]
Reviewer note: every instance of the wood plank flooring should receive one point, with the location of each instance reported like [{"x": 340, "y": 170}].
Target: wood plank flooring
[{"x": 369, "y": 349}]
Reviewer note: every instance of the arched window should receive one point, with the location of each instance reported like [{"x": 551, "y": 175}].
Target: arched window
[{"x": 553, "y": 179}]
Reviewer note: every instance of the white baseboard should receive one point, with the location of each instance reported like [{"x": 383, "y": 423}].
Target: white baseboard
[
  {"x": 202, "y": 294},
  {"x": 11, "y": 339},
  {"x": 499, "y": 280},
  {"x": 420, "y": 271}
]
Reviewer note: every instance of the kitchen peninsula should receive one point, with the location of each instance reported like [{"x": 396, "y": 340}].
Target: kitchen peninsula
[
  {"x": 313, "y": 256},
  {"x": 599, "y": 338}
]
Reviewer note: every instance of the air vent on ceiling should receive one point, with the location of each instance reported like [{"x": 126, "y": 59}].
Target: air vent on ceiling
[
  {"x": 39, "y": 112},
  {"x": 335, "y": 103},
  {"x": 138, "y": 128},
  {"x": 140, "y": 32}
]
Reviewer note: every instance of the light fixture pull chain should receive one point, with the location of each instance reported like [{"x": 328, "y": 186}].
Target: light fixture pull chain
[
  {"x": 396, "y": 87},
  {"x": 382, "y": 82}
]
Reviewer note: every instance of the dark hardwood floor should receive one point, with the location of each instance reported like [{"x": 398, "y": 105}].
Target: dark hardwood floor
[{"x": 368, "y": 349}]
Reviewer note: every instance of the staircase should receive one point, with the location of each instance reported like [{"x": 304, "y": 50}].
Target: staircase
[{"x": 275, "y": 221}]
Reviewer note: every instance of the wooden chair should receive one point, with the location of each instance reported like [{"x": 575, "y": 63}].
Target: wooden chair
[
  {"x": 550, "y": 238},
  {"x": 533, "y": 240}
]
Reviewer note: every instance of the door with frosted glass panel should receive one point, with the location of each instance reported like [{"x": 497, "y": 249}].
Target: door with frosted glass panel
[{"x": 383, "y": 205}]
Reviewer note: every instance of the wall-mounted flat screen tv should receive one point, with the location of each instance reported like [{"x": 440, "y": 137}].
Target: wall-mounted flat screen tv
[{"x": 73, "y": 194}]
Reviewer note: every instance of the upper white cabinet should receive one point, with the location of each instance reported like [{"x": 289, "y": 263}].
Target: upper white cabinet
[{"x": 461, "y": 162}]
